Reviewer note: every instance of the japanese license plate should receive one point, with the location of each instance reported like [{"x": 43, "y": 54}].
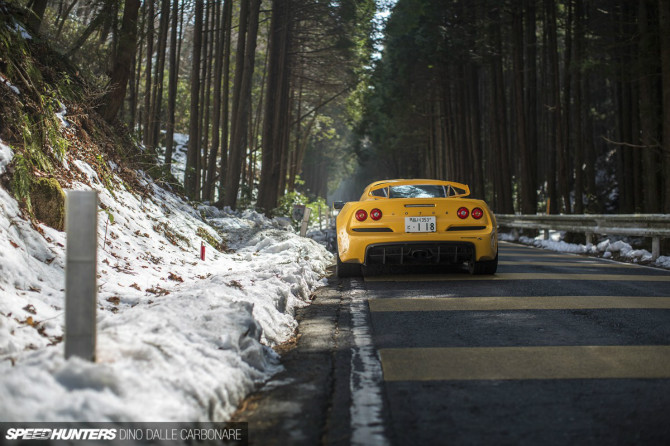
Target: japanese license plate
[{"x": 420, "y": 224}]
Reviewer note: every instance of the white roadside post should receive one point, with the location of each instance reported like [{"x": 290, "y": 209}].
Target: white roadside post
[
  {"x": 305, "y": 221},
  {"x": 81, "y": 223}
]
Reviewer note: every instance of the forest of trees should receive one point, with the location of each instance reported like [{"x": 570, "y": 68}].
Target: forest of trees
[
  {"x": 539, "y": 105},
  {"x": 559, "y": 105},
  {"x": 265, "y": 89}
]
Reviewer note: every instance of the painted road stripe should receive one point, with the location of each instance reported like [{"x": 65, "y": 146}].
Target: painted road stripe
[
  {"x": 518, "y": 303},
  {"x": 541, "y": 254},
  {"x": 504, "y": 363},
  {"x": 519, "y": 276},
  {"x": 571, "y": 264}
]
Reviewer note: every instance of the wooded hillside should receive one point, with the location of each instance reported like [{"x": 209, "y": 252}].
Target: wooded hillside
[{"x": 263, "y": 88}]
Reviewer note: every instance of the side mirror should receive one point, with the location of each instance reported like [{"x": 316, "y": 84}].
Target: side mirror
[{"x": 338, "y": 205}]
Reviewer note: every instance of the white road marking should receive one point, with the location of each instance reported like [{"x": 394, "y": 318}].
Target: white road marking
[{"x": 366, "y": 379}]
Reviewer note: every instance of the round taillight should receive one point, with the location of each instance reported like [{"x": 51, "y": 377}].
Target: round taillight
[
  {"x": 361, "y": 215},
  {"x": 375, "y": 214},
  {"x": 463, "y": 212},
  {"x": 477, "y": 213}
]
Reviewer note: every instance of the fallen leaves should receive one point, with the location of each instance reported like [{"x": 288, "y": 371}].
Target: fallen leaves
[
  {"x": 158, "y": 291},
  {"x": 176, "y": 278},
  {"x": 235, "y": 284}
]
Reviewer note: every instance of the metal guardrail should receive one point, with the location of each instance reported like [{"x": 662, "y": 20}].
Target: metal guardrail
[{"x": 656, "y": 226}]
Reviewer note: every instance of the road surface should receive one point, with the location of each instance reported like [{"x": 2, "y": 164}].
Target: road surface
[{"x": 554, "y": 349}]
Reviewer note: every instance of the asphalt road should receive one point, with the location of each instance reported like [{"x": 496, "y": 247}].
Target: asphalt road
[{"x": 555, "y": 349}]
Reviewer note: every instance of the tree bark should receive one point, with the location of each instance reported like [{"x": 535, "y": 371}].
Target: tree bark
[
  {"x": 276, "y": 105},
  {"x": 122, "y": 62},
  {"x": 225, "y": 106},
  {"x": 148, "y": 74},
  {"x": 664, "y": 18},
  {"x": 190, "y": 183},
  {"x": 216, "y": 107},
  {"x": 173, "y": 79},
  {"x": 243, "y": 112},
  {"x": 648, "y": 112},
  {"x": 528, "y": 198},
  {"x": 159, "y": 76}
]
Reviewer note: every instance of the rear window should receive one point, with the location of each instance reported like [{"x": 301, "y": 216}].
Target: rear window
[{"x": 417, "y": 191}]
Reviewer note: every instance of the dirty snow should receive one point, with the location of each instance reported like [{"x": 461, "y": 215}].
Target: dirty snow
[
  {"x": 608, "y": 248},
  {"x": 179, "y": 339}
]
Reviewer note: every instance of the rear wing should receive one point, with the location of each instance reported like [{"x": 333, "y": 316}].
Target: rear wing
[{"x": 380, "y": 189}]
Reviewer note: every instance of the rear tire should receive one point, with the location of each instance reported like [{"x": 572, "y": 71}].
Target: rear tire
[
  {"x": 343, "y": 270},
  {"x": 485, "y": 267}
]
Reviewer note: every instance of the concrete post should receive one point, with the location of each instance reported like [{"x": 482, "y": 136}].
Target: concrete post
[
  {"x": 305, "y": 221},
  {"x": 655, "y": 248},
  {"x": 81, "y": 223},
  {"x": 589, "y": 238}
]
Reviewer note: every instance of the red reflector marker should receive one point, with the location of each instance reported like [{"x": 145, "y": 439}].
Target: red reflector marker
[
  {"x": 375, "y": 214},
  {"x": 361, "y": 215},
  {"x": 463, "y": 213},
  {"x": 477, "y": 213}
]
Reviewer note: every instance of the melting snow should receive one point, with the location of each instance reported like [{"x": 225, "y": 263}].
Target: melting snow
[
  {"x": 606, "y": 249},
  {"x": 179, "y": 339}
]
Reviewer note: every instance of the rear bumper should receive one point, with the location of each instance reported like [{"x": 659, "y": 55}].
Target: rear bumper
[{"x": 419, "y": 253}]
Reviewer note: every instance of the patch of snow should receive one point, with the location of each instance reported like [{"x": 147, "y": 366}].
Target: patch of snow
[
  {"x": 606, "y": 249},
  {"x": 5, "y": 81},
  {"x": 18, "y": 28},
  {"x": 178, "y": 338},
  {"x": 6, "y": 155},
  {"x": 87, "y": 170},
  {"x": 60, "y": 114},
  {"x": 179, "y": 151}
]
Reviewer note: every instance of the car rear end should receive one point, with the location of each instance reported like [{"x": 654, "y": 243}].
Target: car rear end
[{"x": 418, "y": 231}]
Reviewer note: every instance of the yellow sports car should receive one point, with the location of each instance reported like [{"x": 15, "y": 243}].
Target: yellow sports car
[{"x": 405, "y": 222}]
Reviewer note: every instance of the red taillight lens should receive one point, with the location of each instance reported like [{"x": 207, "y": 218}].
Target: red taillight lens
[
  {"x": 477, "y": 213},
  {"x": 375, "y": 214},
  {"x": 361, "y": 215},
  {"x": 463, "y": 212}
]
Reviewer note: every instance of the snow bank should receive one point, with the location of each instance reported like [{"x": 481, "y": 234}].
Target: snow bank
[
  {"x": 179, "y": 339},
  {"x": 607, "y": 249}
]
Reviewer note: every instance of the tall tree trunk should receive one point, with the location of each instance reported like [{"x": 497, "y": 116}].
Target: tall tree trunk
[
  {"x": 648, "y": 111},
  {"x": 528, "y": 198},
  {"x": 554, "y": 96},
  {"x": 157, "y": 95},
  {"x": 531, "y": 100},
  {"x": 563, "y": 144},
  {"x": 474, "y": 120},
  {"x": 190, "y": 183},
  {"x": 205, "y": 95},
  {"x": 173, "y": 80},
  {"x": 276, "y": 106},
  {"x": 579, "y": 114},
  {"x": 122, "y": 62},
  {"x": 241, "y": 118},
  {"x": 664, "y": 18},
  {"x": 36, "y": 14},
  {"x": 500, "y": 122},
  {"x": 148, "y": 75},
  {"x": 225, "y": 113},
  {"x": 216, "y": 107}
]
